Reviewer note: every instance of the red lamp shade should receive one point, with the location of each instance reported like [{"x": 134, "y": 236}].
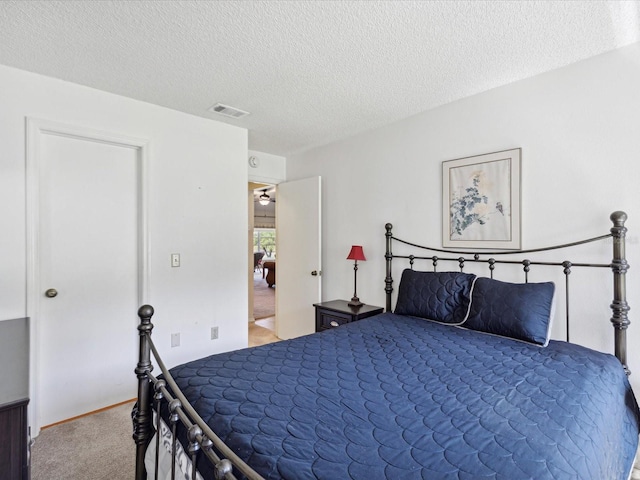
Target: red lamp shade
[{"x": 356, "y": 253}]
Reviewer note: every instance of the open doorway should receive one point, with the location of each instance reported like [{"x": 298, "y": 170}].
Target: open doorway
[
  {"x": 262, "y": 246},
  {"x": 264, "y": 287}
]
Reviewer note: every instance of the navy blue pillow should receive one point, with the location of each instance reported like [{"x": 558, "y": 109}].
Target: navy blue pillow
[
  {"x": 522, "y": 311},
  {"x": 440, "y": 296}
]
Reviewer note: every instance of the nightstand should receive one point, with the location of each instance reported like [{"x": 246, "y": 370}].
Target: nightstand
[
  {"x": 14, "y": 393},
  {"x": 337, "y": 312}
]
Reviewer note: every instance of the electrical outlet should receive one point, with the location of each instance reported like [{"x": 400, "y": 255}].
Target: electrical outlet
[
  {"x": 214, "y": 333},
  {"x": 175, "y": 340}
]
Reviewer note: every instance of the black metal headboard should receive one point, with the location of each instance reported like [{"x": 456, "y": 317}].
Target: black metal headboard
[{"x": 618, "y": 266}]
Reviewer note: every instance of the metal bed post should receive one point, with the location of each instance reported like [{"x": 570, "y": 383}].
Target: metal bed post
[
  {"x": 619, "y": 306},
  {"x": 142, "y": 422},
  {"x": 388, "y": 288}
]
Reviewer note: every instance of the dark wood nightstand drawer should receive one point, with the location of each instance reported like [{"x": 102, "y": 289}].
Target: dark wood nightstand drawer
[
  {"x": 338, "y": 312},
  {"x": 330, "y": 320}
]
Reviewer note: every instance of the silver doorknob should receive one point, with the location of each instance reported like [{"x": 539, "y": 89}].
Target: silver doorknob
[{"x": 52, "y": 292}]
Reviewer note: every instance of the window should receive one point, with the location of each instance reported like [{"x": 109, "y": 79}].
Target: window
[{"x": 264, "y": 240}]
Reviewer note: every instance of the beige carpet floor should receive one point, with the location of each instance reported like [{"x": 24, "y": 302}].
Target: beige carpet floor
[
  {"x": 94, "y": 447},
  {"x": 264, "y": 298}
]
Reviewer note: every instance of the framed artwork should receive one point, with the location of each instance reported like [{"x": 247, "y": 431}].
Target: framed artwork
[{"x": 481, "y": 201}]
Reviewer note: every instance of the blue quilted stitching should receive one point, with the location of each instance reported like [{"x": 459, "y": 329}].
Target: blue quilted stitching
[
  {"x": 440, "y": 296},
  {"x": 522, "y": 311},
  {"x": 395, "y": 397}
]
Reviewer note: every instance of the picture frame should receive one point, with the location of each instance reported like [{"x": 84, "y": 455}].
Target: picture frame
[{"x": 481, "y": 201}]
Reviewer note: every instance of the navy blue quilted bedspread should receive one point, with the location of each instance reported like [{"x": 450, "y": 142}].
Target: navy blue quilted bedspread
[{"x": 396, "y": 397}]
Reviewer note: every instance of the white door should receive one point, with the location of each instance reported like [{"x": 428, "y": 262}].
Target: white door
[
  {"x": 87, "y": 275},
  {"x": 299, "y": 259}
]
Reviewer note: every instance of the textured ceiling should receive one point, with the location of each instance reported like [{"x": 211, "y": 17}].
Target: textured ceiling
[{"x": 310, "y": 72}]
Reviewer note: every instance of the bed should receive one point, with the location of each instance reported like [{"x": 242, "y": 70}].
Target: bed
[{"x": 460, "y": 381}]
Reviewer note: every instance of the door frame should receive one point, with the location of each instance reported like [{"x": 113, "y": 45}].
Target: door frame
[
  {"x": 36, "y": 128},
  {"x": 254, "y": 185}
]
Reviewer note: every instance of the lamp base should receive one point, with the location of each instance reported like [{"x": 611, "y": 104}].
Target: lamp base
[{"x": 355, "y": 302}]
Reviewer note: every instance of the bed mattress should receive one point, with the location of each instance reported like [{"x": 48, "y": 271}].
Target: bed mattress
[{"x": 401, "y": 397}]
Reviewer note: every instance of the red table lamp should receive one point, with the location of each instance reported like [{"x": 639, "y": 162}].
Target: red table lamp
[{"x": 356, "y": 254}]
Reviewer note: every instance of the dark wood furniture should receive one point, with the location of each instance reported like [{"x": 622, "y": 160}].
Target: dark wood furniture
[
  {"x": 14, "y": 463},
  {"x": 338, "y": 312},
  {"x": 14, "y": 393},
  {"x": 270, "y": 268}
]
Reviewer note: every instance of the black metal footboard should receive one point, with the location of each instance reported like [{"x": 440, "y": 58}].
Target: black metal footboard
[
  {"x": 202, "y": 440},
  {"x": 618, "y": 266}
]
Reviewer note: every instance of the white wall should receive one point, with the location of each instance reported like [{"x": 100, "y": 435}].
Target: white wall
[
  {"x": 271, "y": 168},
  {"x": 194, "y": 162},
  {"x": 579, "y": 129}
]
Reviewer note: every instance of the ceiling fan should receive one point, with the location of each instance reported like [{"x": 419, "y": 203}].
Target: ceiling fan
[{"x": 264, "y": 198}]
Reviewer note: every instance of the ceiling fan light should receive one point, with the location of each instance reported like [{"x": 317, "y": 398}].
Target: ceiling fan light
[{"x": 264, "y": 199}]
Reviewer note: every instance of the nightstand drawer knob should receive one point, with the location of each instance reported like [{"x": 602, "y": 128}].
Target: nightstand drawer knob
[{"x": 334, "y": 323}]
